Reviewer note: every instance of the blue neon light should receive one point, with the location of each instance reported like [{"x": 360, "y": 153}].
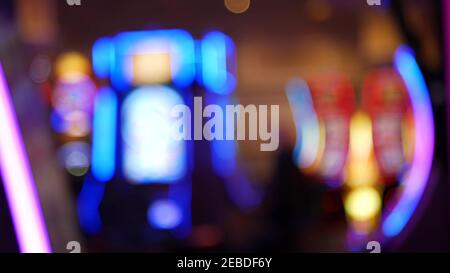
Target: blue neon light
[
  {"x": 104, "y": 135},
  {"x": 223, "y": 152},
  {"x": 103, "y": 57},
  {"x": 218, "y": 63},
  {"x": 306, "y": 122},
  {"x": 89, "y": 201},
  {"x": 415, "y": 181},
  {"x": 181, "y": 48}
]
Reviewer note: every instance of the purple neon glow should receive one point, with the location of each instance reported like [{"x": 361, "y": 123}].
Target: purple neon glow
[
  {"x": 18, "y": 181},
  {"x": 415, "y": 181}
]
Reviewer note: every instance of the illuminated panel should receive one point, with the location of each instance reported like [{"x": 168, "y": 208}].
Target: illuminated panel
[
  {"x": 148, "y": 57},
  {"x": 218, "y": 63},
  {"x": 103, "y": 57},
  {"x": 150, "y": 68},
  {"x": 415, "y": 180},
  {"x": 307, "y": 148},
  {"x": 18, "y": 181},
  {"x": 104, "y": 135},
  {"x": 151, "y": 152}
]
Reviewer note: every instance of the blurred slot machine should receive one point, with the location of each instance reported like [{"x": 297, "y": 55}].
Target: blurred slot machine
[
  {"x": 333, "y": 98},
  {"x": 144, "y": 75},
  {"x": 386, "y": 145}
]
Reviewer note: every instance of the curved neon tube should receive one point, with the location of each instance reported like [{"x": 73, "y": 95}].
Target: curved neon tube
[
  {"x": 18, "y": 181},
  {"x": 306, "y": 121},
  {"x": 416, "y": 179}
]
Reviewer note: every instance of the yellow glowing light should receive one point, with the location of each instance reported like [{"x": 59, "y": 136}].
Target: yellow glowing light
[
  {"x": 361, "y": 136},
  {"x": 362, "y": 169},
  {"x": 363, "y": 204},
  {"x": 72, "y": 66},
  {"x": 151, "y": 68},
  {"x": 237, "y": 6},
  {"x": 362, "y": 173}
]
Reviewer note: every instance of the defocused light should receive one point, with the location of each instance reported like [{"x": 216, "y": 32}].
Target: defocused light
[
  {"x": 104, "y": 135},
  {"x": 362, "y": 169},
  {"x": 151, "y": 68},
  {"x": 77, "y": 164},
  {"x": 17, "y": 179},
  {"x": 71, "y": 66},
  {"x": 151, "y": 153},
  {"x": 89, "y": 201},
  {"x": 78, "y": 124},
  {"x": 223, "y": 152},
  {"x": 72, "y": 101},
  {"x": 57, "y": 122},
  {"x": 103, "y": 57},
  {"x": 363, "y": 204},
  {"x": 74, "y": 95},
  {"x": 75, "y": 158},
  {"x": 181, "y": 192},
  {"x": 173, "y": 49},
  {"x": 237, "y": 6},
  {"x": 362, "y": 172},
  {"x": 334, "y": 102},
  {"x": 307, "y": 123},
  {"x": 164, "y": 214},
  {"x": 415, "y": 180},
  {"x": 218, "y": 63},
  {"x": 361, "y": 144}
]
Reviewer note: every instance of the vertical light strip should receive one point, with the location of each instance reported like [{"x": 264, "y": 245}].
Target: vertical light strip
[
  {"x": 217, "y": 50},
  {"x": 104, "y": 135},
  {"x": 18, "y": 182},
  {"x": 416, "y": 179},
  {"x": 307, "y": 148}
]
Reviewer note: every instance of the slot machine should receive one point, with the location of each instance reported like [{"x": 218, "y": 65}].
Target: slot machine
[
  {"x": 387, "y": 146},
  {"x": 144, "y": 75}
]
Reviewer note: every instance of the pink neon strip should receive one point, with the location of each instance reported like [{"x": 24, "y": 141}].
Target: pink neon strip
[{"x": 18, "y": 181}]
